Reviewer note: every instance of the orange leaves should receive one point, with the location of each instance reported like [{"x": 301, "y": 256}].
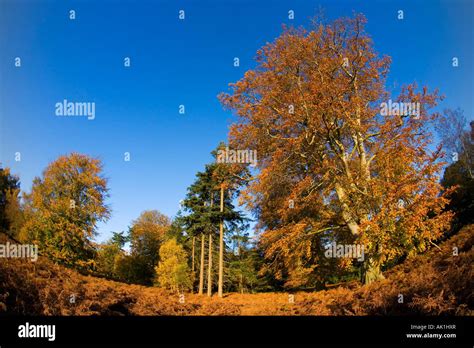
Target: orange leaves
[{"x": 313, "y": 109}]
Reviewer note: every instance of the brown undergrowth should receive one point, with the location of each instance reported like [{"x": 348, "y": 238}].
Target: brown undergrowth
[{"x": 435, "y": 283}]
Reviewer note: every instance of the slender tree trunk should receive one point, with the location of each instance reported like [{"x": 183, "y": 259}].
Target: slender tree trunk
[
  {"x": 221, "y": 247},
  {"x": 209, "y": 263},
  {"x": 201, "y": 266},
  {"x": 192, "y": 257},
  {"x": 209, "y": 267},
  {"x": 192, "y": 264}
]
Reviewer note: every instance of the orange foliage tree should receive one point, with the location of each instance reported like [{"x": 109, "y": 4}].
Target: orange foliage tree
[{"x": 333, "y": 167}]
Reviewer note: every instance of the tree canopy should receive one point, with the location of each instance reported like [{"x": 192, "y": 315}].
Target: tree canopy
[
  {"x": 64, "y": 207},
  {"x": 332, "y": 165}
]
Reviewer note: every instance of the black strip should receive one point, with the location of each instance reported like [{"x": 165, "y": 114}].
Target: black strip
[{"x": 243, "y": 331}]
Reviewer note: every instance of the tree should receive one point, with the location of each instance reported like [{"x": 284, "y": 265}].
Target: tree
[
  {"x": 333, "y": 165},
  {"x": 201, "y": 265},
  {"x": 456, "y": 140},
  {"x": 146, "y": 235},
  {"x": 204, "y": 211},
  {"x": 227, "y": 177},
  {"x": 11, "y": 217},
  {"x": 130, "y": 269},
  {"x": 198, "y": 218},
  {"x": 178, "y": 232},
  {"x": 109, "y": 253},
  {"x": 172, "y": 271},
  {"x": 460, "y": 188},
  {"x": 64, "y": 207},
  {"x": 458, "y": 177},
  {"x": 243, "y": 263}
]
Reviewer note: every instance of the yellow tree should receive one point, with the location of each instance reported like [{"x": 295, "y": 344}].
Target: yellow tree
[
  {"x": 64, "y": 207},
  {"x": 338, "y": 158},
  {"x": 172, "y": 271}
]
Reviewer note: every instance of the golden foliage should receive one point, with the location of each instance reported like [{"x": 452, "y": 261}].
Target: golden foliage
[{"x": 435, "y": 283}]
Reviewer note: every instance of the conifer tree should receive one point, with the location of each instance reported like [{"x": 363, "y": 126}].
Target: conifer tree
[{"x": 203, "y": 215}]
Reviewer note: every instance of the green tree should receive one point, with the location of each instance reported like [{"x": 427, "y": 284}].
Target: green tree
[
  {"x": 108, "y": 254},
  {"x": 172, "y": 271},
  {"x": 130, "y": 269},
  {"x": 64, "y": 207},
  {"x": 199, "y": 218},
  {"x": 204, "y": 212},
  {"x": 11, "y": 217},
  {"x": 242, "y": 273}
]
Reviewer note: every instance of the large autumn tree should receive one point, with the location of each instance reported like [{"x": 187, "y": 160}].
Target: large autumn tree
[
  {"x": 64, "y": 207},
  {"x": 332, "y": 166}
]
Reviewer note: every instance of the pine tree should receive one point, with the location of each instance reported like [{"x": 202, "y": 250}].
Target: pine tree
[{"x": 205, "y": 211}]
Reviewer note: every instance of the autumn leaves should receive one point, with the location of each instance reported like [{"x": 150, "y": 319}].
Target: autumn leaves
[{"x": 342, "y": 163}]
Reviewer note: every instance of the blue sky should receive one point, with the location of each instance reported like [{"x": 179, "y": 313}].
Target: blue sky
[{"x": 180, "y": 62}]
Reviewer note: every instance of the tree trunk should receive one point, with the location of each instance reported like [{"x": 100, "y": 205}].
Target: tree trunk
[
  {"x": 201, "y": 266},
  {"x": 346, "y": 212},
  {"x": 371, "y": 271},
  {"x": 192, "y": 265},
  {"x": 192, "y": 257},
  {"x": 209, "y": 267},
  {"x": 209, "y": 263},
  {"x": 221, "y": 247}
]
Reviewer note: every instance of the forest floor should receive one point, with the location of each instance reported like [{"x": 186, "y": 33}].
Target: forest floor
[{"x": 433, "y": 283}]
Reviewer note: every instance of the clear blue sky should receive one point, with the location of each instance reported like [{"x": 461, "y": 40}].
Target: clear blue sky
[{"x": 177, "y": 62}]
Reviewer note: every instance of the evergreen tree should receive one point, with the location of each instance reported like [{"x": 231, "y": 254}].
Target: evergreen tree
[
  {"x": 11, "y": 217},
  {"x": 204, "y": 212}
]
